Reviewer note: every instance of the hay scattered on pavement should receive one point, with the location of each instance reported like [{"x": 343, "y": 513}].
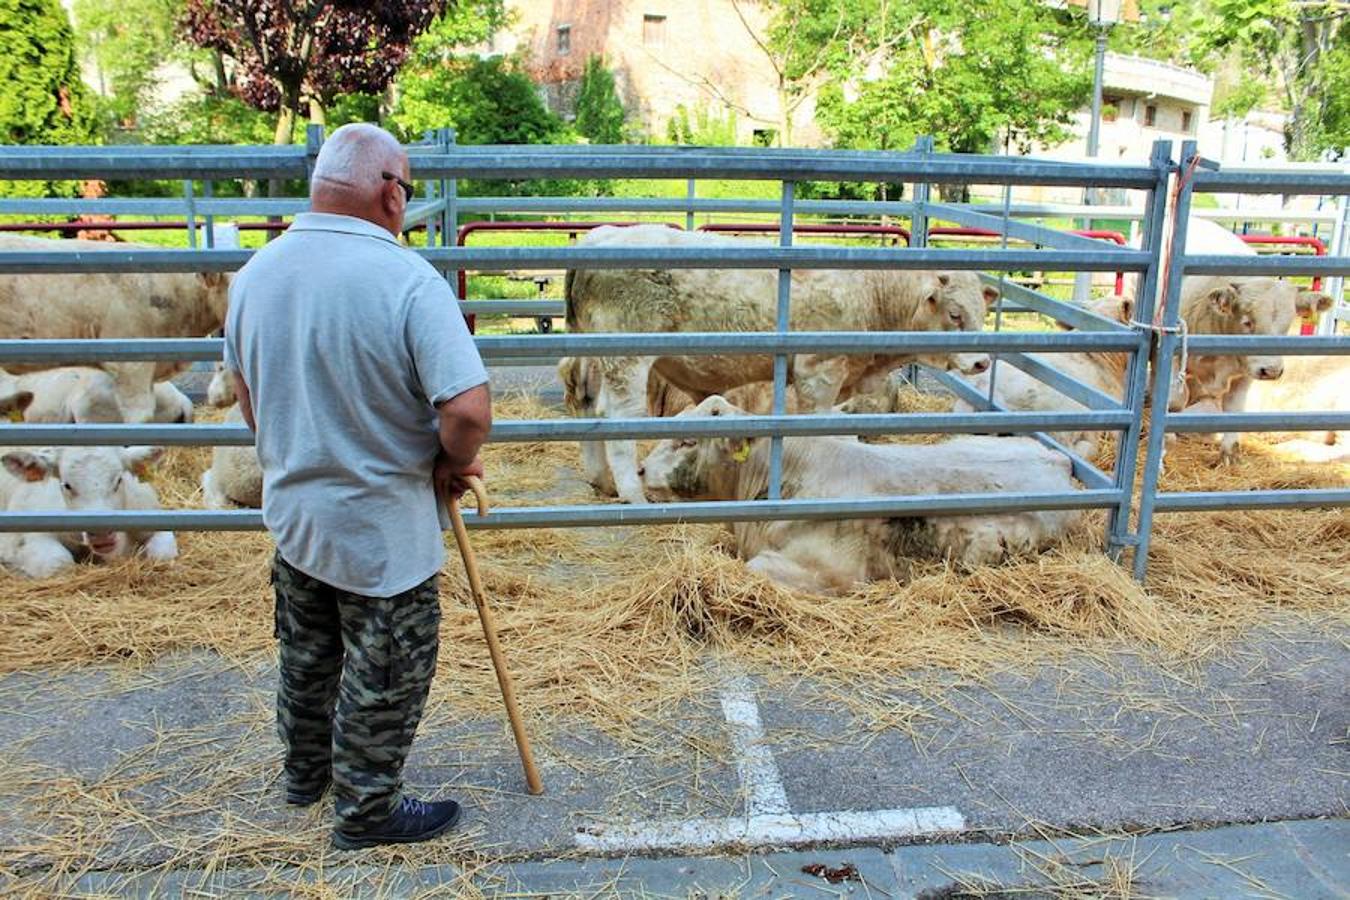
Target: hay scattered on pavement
[
  {"x": 616, "y": 627},
  {"x": 612, "y": 625}
]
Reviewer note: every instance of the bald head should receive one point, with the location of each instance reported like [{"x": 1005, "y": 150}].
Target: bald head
[{"x": 349, "y": 176}]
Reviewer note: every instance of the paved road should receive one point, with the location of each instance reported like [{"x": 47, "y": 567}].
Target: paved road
[{"x": 1075, "y": 748}]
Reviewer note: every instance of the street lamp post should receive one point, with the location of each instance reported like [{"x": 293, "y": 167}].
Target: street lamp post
[{"x": 1102, "y": 14}]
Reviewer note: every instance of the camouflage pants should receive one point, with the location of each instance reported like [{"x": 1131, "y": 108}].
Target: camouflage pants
[{"x": 355, "y": 672}]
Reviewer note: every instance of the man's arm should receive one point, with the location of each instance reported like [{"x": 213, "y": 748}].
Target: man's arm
[
  {"x": 245, "y": 401},
  {"x": 463, "y": 423}
]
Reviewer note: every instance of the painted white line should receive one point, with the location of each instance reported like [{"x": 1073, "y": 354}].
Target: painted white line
[
  {"x": 771, "y": 830},
  {"x": 764, "y": 791}
]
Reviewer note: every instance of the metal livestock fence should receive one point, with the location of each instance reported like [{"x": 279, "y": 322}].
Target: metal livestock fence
[{"x": 440, "y": 165}]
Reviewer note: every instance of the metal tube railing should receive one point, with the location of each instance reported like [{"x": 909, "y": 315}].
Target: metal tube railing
[{"x": 441, "y": 162}]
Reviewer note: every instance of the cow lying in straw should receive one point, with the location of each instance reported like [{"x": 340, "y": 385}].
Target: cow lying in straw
[
  {"x": 235, "y": 476},
  {"x": 77, "y": 479},
  {"x": 832, "y": 556},
  {"x": 743, "y": 301},
  {"x": 80, "y": 394}
]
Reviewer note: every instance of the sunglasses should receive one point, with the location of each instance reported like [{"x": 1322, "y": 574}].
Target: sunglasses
[{"x": 408, "y": 189}]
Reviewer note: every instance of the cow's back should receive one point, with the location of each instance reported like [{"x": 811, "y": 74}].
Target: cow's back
[{"x": 106, "y": 305}]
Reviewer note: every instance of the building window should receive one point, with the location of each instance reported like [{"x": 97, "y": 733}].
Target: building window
[
  {"x": 654, "y": 30},
  {"x": 1150, "y": 115},
  {"x": 564, "y": 40},
  {"x": 1186, "y": 122}
]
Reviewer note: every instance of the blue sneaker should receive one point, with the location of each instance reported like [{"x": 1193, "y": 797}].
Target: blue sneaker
[{"x": 412, "y": 821}]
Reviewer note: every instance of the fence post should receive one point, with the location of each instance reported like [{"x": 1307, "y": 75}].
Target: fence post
[
  {"x": 450, "y": 215},
  {"x": 690, "y": 193},
  {"x": 918, "y": 230},
  {"x": 782, "y": 325},
  {"x": 1118, "y": 535},
  {"x": 190, "y": 199},
  {"x": 1336, "y": 284},
  {"x": 208, "y": 191},
  {"x": 1162, "y": 367}
]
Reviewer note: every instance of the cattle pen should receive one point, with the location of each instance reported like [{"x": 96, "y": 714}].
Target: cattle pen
[
  {"x": 441, "y": 165},
  {"x": 679, "y": 702}
]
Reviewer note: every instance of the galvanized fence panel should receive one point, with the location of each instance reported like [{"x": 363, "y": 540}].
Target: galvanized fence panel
[
  {"x": 1197, "y": 176},
  {"x": 442, "y": 164}
]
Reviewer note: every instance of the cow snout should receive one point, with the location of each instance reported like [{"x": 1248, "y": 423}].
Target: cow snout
[
  {"x": 101, "y": 542},
  {"x": 1269, "y": 373}
]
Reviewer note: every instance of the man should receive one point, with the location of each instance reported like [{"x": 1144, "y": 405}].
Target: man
[{"x": 354, "y": 368}]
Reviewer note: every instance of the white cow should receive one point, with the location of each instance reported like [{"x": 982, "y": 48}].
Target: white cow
[
  {"x": 128, "y": 305},
  {"x": 744, "y": 300},
  {"x": 235, "y": 477},
  {"x": 1221, "y": 305},
  {"x": 1309, "y": 384},
  {"x": 1107, "y": 372},
  {"x": 1226, "y": 304},
  {"x": 832, "y": 556},
  {"x": 77, "y": 479},
  {"x": 84, "y": 394}
]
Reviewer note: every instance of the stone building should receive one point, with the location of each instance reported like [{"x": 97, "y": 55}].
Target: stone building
[{"x": 702, "y": 55}]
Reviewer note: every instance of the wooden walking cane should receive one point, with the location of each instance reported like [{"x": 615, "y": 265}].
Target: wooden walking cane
[{"x": 532, "y": 779}]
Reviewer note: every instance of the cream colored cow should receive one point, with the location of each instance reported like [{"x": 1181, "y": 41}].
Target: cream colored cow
[
  {"x": 832, "y": 556},
  {"x": 745, "y": 300},
  {"x": 94, "y": 305}
]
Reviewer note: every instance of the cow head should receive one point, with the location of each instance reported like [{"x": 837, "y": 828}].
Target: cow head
[
  {"x": 13, "y": 400},
  {"x": 1263, "y": 306},
  {"x": 697, "y": 468},
  {"x": 89, "y": 479},
  {"x": 953, "y": 301},
  {"x": 215, "y": 287}
]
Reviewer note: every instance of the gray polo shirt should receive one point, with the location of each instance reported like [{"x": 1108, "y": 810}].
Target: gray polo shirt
[{"x": 346, "y": 340}]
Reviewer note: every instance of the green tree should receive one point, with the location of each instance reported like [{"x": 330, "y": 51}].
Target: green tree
[
  {"x": 43, "y": 101},
  {"x": 486, "y": 101},
  {"x": 1295, "y": 40},
  {"x": 966, "y": 73},
  {"x": 600, "y": 113},
  {"x": 706, "y": 128},
  {"x": 128, "y": 41}
]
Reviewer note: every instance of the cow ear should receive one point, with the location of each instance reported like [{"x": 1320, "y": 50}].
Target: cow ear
[
  {"x": 1309, "y": 303},
  {"x": 717, "y": 405},
  {"x": 1125, "y": 310},
  {"x": 30, "y": 465},
  {"x": 990, "y": 295},
  {"x": 15, "y": 404},
  {"x": 944, "y": 279},
  {"x": 139, "y": 460},
  {"x": 1223, "y": 300},
  {"x": 740, "y": 449}
]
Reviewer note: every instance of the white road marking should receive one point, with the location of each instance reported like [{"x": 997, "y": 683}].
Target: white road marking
[
  {"x": 768, "y": 819},
  {"x": 764, "y": 791},
  {"x": 771, "y": 830}
]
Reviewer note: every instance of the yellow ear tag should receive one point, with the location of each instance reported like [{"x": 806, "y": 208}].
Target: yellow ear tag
[
  {"x": 742, "y": 454},
  {"x": 16, "y": 415}
]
